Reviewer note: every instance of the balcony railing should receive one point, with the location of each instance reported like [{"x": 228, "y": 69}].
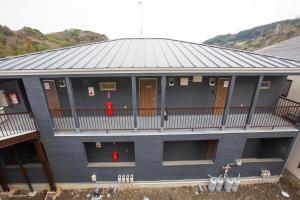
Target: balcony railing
[
  {"x": 175, "y": 118},
  {"x": 16, "y": 123}
]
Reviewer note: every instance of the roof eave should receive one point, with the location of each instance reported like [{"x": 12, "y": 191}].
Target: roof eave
[{"x": 107, "y": 71}]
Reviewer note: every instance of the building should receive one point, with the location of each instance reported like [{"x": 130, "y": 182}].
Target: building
[
  {"x": 158, "y": 109},
  {"x": 289, "y": 49}
]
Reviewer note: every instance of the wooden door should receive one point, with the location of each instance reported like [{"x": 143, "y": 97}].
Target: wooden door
[
  {"x": 211, "y": 148},
  {"x": 221, "y": 95},
  {"x": 52, "y": 97},
  {"x": 147, "y": 97}
]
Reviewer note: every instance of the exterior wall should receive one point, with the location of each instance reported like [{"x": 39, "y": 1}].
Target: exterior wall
[
  {"x": 14, "y": 86},
  {"x": 67, "y": 155},
  {"x": 194, "y": 95},
  {"x": 120, "y": 98}
]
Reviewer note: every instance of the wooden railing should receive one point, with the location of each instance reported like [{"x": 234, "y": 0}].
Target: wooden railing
[
  {"x": 16, "y": 123},
  {"x": 174, "y": 118}
]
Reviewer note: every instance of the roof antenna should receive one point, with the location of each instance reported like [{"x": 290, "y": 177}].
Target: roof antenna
[{"x": 140, "y": 4}]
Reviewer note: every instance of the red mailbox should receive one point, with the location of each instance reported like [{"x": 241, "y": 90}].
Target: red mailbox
[
  {"x": 109, "y": 107},
  {"x": 115, "y": 156}
]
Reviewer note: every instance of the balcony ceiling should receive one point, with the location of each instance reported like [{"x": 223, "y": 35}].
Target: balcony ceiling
[{"x": 144, "y": 55}]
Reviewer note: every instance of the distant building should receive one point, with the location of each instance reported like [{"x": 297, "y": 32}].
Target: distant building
[
  {"x": 289, "y": 49},
  {"x": 156, "y": 109}
]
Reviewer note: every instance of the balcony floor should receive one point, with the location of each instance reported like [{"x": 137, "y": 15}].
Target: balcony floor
[
  {"x": 15, "y": 125},
  {"x": 93, "y": 123}
]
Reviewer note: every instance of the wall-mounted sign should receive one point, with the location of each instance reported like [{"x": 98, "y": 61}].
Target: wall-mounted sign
[
  {"x": 108, "y": 86},
  {"x": 226, "y": 84},
  {"x": 47, "y": 86}
]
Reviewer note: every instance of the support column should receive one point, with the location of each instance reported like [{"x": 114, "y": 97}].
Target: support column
[
  {"x": 162, "y": 101},
  {"x": 72, "y": 102},
  {"x": 44, "y": 161},
  {"x": 134, "y": 102},
  {"x": 254, "y": 100},
  {"x": 22, "y": 168},
  {"x": 3, "y": 183},
  {"x": 228, "y": 101}
]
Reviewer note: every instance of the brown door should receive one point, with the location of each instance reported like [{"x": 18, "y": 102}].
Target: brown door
[
  {"x": 211, "y": 148},
  {"x": 221, "y": 95},
  {"x": 52, "y": 98},
  {"x": 147, "y": 98}
]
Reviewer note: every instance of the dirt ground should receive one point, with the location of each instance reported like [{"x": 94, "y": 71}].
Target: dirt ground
[{"x": 264, "y": 191}]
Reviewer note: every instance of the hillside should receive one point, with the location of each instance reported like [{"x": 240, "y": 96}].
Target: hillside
[
  {"x": 28, "y": 40},
  {"x": 259, "y": 37}
]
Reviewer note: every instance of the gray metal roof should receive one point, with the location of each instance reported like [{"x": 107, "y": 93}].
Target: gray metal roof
[
  {"x": 142, "y": 54},
  {"x": 289, "y": 49}
]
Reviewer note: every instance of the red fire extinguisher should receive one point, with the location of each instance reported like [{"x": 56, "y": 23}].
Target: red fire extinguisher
[
  {"x": 115, "y": 156},
  {"x": 109, "y": 110}
]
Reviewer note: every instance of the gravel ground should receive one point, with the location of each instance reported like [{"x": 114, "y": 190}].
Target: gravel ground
[{"x": 264, "y": 191}]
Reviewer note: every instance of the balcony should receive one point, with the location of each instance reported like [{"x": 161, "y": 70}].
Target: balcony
[
  {"x": 15, "y": 124},
  {"x": 284, "y": 114}
]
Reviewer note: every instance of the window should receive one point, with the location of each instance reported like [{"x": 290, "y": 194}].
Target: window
[
  {"x": 265, "y": 85},
  {"x": 191, "y": 152},
  {"x": 108, "y": 86},
  {"x": 110, "y": 154},
  {"x": 266, "y": 149},
  {"x": 286, "y": 88}
]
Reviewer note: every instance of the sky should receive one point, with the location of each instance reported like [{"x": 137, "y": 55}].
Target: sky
[{"x": 190, "y": 20}]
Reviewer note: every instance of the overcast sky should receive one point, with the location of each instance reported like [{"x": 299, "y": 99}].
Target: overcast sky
[{"x": 191, "y": 20}]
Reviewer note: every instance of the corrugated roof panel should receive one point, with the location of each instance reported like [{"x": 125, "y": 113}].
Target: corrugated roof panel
[
  {"x": 118, "y": 58},
  {"x": 182, "y": 57},
  {"x": 205, "y": 62},
  {"x": 235, "y": 57},
  {"x": 69, "y": 57},
  {"x": 71, "y": 63},
  {"x": 96, "y": 61},
  {"x": 32, "y": 61},
  {"x": 161, "y": 59},
  {"x": 217, "y": 61},
  {"x": 18, "y": 62},
  {"x": 139, "y": 58},
  {"x": 55, "y": 59},
  {"x": 111, "y": 54},
  {"x": 221, "y": 56},
  {"x": 285, "y": 63},
  {"x": 259, "y": 63},
  {"x": 39, "y": 63},
  {"x": 91, "y": 57},
  {"x": 150, "y": 56},
  {"x": 192, "y": 58},
  {"x": 267, "y": 60},
  {"x": 169, "y": 55}
]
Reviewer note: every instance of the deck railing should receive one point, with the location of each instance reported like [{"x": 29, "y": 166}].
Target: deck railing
[
  {"x": 174, "y": 118},
  {"x": 16, "y": 123}
]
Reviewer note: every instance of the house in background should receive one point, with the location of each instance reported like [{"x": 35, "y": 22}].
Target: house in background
[
  {"x": 157, "y": 109},
  {"x": 289, "y": 49}
]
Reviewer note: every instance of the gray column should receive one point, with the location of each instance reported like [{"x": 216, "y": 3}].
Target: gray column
[
  {"x": 72, "y": 102},
  {"x": 228, "y": 101},
  {"x": 162, "y": 101},
  {"x": 254, "y": 100},
  {"x": 134, "y": 103}
]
